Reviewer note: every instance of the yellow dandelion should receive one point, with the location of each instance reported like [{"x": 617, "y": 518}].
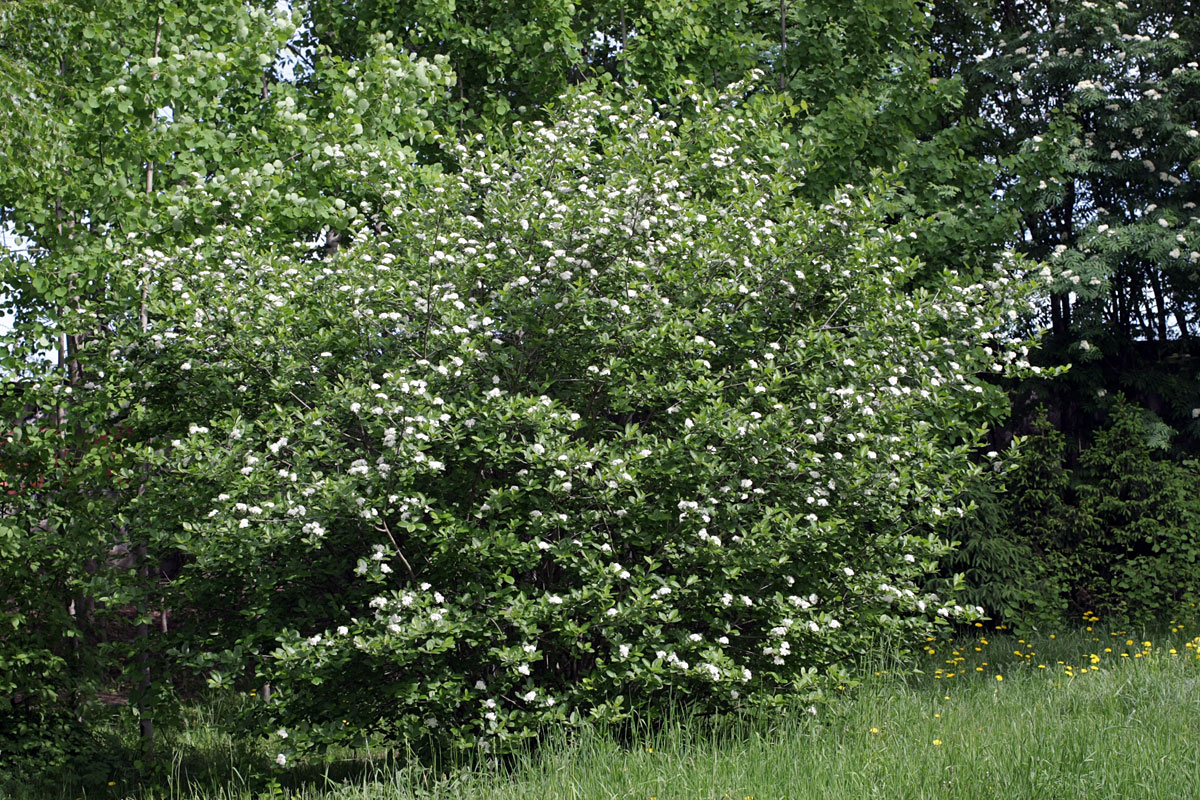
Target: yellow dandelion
[
  {"x": 999, "y": 677},
  {"x": 874, "y": 730},
  {"x": 937, "y": 742}
]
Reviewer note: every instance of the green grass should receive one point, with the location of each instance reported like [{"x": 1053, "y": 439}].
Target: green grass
[{"x": 1068, "y": 720}]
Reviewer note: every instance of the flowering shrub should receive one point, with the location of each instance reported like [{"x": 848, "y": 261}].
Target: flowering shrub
[
  {"x": 605, "y": 415},
  {"x": 169, "y": 125}
]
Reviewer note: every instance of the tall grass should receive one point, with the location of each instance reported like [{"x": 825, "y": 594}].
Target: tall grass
[{"x": 1094, "y": 714}]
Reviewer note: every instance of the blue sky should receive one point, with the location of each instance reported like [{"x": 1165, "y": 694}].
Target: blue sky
[{"x": 7, "y": 242}]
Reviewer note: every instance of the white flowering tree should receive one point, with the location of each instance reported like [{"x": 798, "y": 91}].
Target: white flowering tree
[
  {"x": 1114, "y": 88},
  {"x": 604, "y": 417}
]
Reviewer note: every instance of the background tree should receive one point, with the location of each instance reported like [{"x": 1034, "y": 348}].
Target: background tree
[
  {"x": 1117, "y": 218},
  {"x": 1110, "y": 89},
  {"x": 158, "y": 128}
]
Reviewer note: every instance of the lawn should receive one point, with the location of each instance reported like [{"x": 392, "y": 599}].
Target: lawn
[{"x": 1096, "y": 713}]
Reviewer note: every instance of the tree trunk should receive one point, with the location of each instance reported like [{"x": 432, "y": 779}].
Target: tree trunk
[
  {"x": 145, "y": 711},
  {"x": 782, "y": 45},
  {"x": 1160, "y": 305}
]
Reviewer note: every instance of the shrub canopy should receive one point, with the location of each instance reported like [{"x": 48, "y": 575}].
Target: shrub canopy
[{"x": 604, "y": 415}]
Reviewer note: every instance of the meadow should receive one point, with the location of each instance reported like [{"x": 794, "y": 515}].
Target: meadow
[{"x": 1099, "y": 712}]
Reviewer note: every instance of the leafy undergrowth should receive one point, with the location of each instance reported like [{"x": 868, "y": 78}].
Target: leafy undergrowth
[{"x": 1100, "y": 712}]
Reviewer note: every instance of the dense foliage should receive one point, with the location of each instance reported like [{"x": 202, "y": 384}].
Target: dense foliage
[
  {"x": 120, "y": 126},
  {"x": 454, "y": 370},
  {"x": 1109, "y": 94},
  {"x": 1114, "y": 534},
  {"x": 1114, "y": 87},
  {"x": 605, "y": 413}
]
